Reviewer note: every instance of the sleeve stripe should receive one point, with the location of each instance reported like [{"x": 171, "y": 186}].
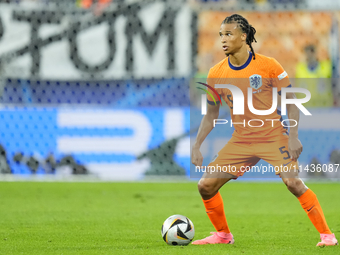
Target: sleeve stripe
[
  {"x": 290, "y": 85},
  {"x": 213, "y": 103}
]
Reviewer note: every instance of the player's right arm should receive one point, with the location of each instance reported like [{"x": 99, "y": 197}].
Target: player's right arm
[{"x": 207, "y": 124}]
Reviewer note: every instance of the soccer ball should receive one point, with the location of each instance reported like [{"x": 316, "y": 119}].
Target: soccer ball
[{"x": 178, "y": 230}]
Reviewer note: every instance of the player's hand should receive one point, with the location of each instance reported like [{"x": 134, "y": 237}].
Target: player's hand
[
  {"x": 294, "y": 147},
  {"x": 196, "y": 156}
]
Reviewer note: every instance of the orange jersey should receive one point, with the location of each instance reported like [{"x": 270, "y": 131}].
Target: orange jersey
[{"x": 261, "y": 75}]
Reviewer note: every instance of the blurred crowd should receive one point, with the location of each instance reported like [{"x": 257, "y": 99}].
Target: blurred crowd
[
  {"x": 88, "y": 3},
  {"x": 326, "y": 87}
]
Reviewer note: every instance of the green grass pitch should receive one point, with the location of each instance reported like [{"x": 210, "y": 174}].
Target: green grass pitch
[{"x": 126, "y": 218}]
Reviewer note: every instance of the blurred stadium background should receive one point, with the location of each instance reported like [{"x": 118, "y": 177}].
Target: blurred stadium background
[{"x": 101, "y": 88}]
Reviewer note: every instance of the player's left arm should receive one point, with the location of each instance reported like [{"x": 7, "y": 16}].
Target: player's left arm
[
  {"x": 281, "y": 80},
  {"x": 294, "y": 145}
]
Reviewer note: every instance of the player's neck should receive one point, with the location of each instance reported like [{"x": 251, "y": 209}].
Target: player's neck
[{"x": 239, "y": 58}]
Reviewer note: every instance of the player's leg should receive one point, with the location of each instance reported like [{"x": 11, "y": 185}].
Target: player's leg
[
  {"x": 311, "y": 206},
  {"x": 208, "y": 187},
  {"x": 211, "y": 182},
  {"x": 220, "y": 171},
  {"x": 277, "y": 155},
  {"x": 291, "y": 178}
]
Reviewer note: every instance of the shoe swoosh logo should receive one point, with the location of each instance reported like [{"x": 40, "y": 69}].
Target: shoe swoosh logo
[
  {"x": 310, "y": 208},
  {"x": 209, "y": 212}
]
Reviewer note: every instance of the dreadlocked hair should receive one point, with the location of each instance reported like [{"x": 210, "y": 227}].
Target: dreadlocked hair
[{"x": 245, "y": 27}]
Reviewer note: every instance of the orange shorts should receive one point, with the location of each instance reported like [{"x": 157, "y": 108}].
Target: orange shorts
[{"x": 236, "y": 158}]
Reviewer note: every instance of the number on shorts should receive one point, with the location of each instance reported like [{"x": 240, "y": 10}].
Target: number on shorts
[{"x": 283, "y": 152}]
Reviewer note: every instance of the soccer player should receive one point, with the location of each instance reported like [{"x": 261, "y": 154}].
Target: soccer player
[{"x": 269, "y": 141}]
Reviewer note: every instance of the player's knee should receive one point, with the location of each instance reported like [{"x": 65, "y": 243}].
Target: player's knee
[
  {"x": 291, "y": 183},
  {"x": 295, "y": 185},
  {"x": 206, "y": 189}
]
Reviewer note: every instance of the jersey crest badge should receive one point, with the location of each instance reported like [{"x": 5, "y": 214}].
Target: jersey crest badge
[{"x": 255, "y": 81}]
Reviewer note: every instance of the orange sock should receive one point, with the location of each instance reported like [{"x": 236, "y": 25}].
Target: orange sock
[
  {"x": 310, "y": 204},
  {"x": 215, "y": 210}
]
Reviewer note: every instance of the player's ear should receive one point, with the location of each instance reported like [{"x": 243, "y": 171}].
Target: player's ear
[{"x": 244, "y": 36}]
